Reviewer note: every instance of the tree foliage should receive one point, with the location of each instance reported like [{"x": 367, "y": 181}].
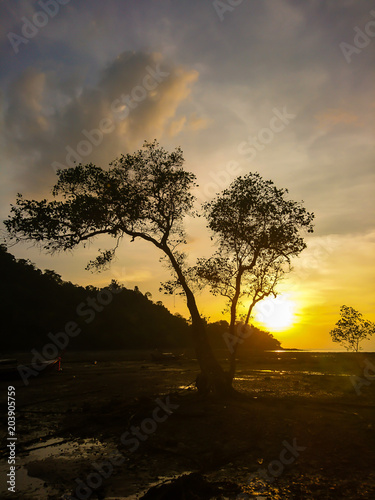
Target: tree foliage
[
  {"x": 146, "y": 195},
  {"x": 253, "y": 217},
  {"x": 143, "y": 195},
  {"x": 351, "y": 329},
  {"x": 257, "y": 230}
]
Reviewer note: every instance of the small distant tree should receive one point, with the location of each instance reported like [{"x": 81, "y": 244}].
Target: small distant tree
[{"x": 351, "y": 329}]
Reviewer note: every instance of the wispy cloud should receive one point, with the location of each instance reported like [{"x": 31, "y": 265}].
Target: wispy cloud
[
  {"x": 220, "y": 83},
  {"x": 45, "y": 118}
]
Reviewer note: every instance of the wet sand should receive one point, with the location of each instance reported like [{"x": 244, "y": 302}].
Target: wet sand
[{"x": 298, "y": 430}]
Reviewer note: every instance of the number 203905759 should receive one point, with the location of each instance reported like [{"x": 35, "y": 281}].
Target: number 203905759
[{"x": 11, "y": 410}]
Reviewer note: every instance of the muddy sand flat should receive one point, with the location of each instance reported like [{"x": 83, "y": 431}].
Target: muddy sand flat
[{"x": 302, "y": 427}]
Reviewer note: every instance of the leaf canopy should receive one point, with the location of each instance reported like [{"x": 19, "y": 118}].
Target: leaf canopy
[
  {"x": 145, "y": 194},
  {"x": 254, "y": 217}
]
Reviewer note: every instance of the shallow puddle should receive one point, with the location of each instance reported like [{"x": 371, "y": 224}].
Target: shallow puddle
[
  {"x": 57, "y": 447},
  {"x": 34, "y": 487},
  {"x": 295, "y": 372}
]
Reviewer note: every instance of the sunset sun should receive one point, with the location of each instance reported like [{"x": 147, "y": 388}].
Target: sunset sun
[{"x": 275, "y": 313}]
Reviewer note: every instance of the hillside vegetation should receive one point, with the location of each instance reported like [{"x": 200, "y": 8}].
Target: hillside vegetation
[{"x": 35, "y": 303}]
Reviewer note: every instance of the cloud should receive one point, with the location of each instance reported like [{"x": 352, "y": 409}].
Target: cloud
[
  {"x": 197, "y": 122},
  {"x": 50, "y": 121},
  {"x": 176, "y": 126},
  {"x": 153, "y": 120},
  {"x": 25, "y": 100},
  {"x": 332, "y": 117},
  {"x": 193, "y": 123}
]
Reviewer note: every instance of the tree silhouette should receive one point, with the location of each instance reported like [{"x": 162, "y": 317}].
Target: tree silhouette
[
  {"x": 351, "y": 329},
  {"x": 257, "y": 230},
  {"x": 143, "y": 195},
  {"x": 146, "y": 195}
]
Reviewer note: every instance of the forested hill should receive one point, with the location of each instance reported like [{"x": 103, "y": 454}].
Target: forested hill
[{"x": 36, "y": 304}]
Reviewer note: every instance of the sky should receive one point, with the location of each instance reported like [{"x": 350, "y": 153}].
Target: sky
[{"x": 282, "y": 88}]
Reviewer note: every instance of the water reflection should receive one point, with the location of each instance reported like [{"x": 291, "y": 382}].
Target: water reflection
[{"x": 53, "y": 448}]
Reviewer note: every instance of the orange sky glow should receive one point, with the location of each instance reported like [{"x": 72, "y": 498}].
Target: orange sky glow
[{"x": 266, "y": 89}]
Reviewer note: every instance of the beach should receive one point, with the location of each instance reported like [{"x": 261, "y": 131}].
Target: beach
[{"x": 111, "y": 425}]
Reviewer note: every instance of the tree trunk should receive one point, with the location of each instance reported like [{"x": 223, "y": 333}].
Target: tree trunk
[
  {"x": 232, "y": 363},
  {"x": 232, "y": 327},
  {"x": 239, "y": 339},
  {"x": 212, "y": 377}
]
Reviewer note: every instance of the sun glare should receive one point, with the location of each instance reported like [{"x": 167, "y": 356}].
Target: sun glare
[{"x": 275, "y": 313}]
